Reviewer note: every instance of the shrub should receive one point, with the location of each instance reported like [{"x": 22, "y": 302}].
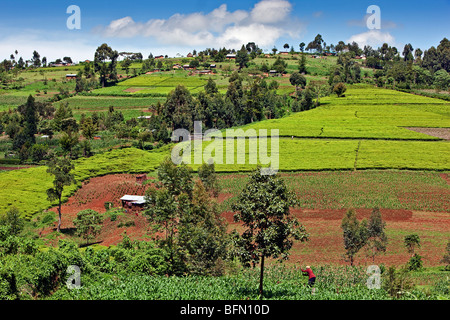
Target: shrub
[
  {"x": 415, "y": 263},
  {"x": 340, "y": 89}
]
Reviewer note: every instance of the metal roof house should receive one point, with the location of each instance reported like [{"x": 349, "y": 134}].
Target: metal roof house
[{"x": 133, "y": 202}]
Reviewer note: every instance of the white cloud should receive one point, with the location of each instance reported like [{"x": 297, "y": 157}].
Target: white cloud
[
  {"x": 372, "y": 38},
  {"x": 271, "y": 11},
  {"x": 264, "y": 24}
]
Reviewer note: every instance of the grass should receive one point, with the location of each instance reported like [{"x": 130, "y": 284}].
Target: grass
[{"x": 365, "y": 114}]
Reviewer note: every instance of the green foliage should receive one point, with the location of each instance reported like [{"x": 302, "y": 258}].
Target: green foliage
[
  {"x": 355, "y": 235},
  {"x": 88, "y": 223},
  {"x": 411, "y": 241},
  {"x": 415, "y": 262},
  {"x": 340, "y": 88},
  {"x": 263, "y": 208},
  {"x": 397, "y": 282}
]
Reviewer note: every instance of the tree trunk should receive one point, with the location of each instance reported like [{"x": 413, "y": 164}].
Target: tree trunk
[
  {"x": 59, "y": 216},
  {"x": 261, "y": 277}
]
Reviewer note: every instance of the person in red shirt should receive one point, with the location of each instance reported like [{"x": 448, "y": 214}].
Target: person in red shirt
[{"x": 312, "y": 278}]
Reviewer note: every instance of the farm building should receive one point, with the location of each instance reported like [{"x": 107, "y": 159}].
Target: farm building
[
  {"x": 71, "y": 76},
  {"x": 141, "y": 178},
  {"x": 159, "y": 57},
  {"x": 231, "y": 56},
  {"x": 190, "y": 55},
  {"x": 284, "y": 53},
  {"x": 133, "y": 203}
]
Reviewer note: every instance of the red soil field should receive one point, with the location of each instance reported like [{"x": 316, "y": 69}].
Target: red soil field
[{"x": 324, "y": 226}]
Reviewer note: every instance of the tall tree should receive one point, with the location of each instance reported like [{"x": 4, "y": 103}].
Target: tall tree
[
  {"x": 263, "y": 208},
  {"x": 36, "y": 59},
  {"x": 377, "y": 239},
  {"x": 61, "y": 169},
  {"x": 105, "y": 63},
  {"x": 242, "y": 58},
  {"x": 354, "y": 234}
]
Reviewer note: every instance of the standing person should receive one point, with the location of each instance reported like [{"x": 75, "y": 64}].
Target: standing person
[{"x": 312, "y": 278}]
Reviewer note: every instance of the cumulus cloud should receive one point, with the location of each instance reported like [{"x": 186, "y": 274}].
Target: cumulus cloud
[
  {"x": 373, "y": 38},
  {"x": 265, "y": 23}
]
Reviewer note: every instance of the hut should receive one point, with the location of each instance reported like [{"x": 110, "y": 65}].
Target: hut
[{"x": 133, "y": 203}]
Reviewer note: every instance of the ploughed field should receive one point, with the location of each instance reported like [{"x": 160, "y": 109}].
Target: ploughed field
[{"x": 410, "y": 202}]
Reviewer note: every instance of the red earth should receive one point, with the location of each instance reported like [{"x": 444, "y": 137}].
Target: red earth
[{"x": 325, "y": 245}]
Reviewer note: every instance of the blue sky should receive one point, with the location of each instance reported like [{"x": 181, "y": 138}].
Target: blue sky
[{"x": 177, "y": 27}]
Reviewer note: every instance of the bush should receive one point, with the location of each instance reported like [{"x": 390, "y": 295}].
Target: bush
[
  {"x": 340, "y": 89},
  {"x": 415, "y": 263}
]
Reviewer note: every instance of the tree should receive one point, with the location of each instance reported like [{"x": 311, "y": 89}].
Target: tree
[
  {"x": 202, "y": 234},
  {"x": 126, "y": 65},
  {"x": 377, "y": 239},
  {"x": 31, "y": 120},
  {"x": 408, "y": 52},
  {"x": 61, "y": 169},
  {"x": 410, "y": 242},
  {"x": 442, "y": 79},
  {"x": 242, "y": 58},
  {"x": 302, "y": 65},
  {"x": 13, "y": 220},
  {"x": 211, "y": 87},
  {"x": 446, "y": 257},
  {"x": 354, "y": 234},
  {"x": 36, "y": 59},
  {"x": 88, "y": 223},
  {"x": 88, "y": 128},
  {"x": 286, "y": 46},
  {"x": 297, "y": 80},
  {"x": 340, "y": 89},
  {"x": 302, "y": 47},
  {"x": 105, "y": 62},
  {"x": 263, "y": 208},
  {"x": 165, "y": 204},
  {"x": 207, "y": 175}
]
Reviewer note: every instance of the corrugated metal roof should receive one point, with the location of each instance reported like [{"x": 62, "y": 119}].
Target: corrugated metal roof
[{"x": 134, "y": 199}]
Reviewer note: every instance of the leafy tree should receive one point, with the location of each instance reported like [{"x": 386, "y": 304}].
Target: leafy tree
[
  {"x": 202, "y": 234},
  {"x": 297, "y": 80},
  {"x": 340, "y": 89},
  {"x": 68, "y": 141},
  {"x": 411, "y": 241},
  {"x": 446, "y": 257},
  {"x": 178, "y": 108},
  {"x": 88, "y": 128},
  {"x": 377, "y": 239},
  {"x": 105, "y": 63},
  {"x": 302, "y": 65},
  {"x": 242, "y": 58},
  {"x": 13, "y": 220},
  {"x": 302, "y": 47},
  {"x": 408, "y": 52},
  {"x": 211, "y": 87},
  {"x": 442, "y": 79},
  {"x": 165, "y": 205},
  {"x": 31, "y": 120},
  {"x": 207, "y": 175},
  {"x": 354, "y": 233},
  {"x": 397, "y": 282},
  {"x": 88, "y": 223},
  {"x": 61, "y": 169},
  {"x": 36, "y": 59},
  {"x": 263, "y": 208}
]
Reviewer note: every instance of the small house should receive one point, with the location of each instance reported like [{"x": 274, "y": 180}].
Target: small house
[
  {"x": 159, "y": 57},
  {"x": 141, "y": 178},
  {"x": 190, "y": 55},
  {"x": 284, "y": 53},
  {"x": 133, "y": 203},
  {"x": 231, "y": 56},
  {"x": 71, "y": 76}
]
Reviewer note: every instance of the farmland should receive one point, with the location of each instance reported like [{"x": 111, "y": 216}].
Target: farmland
[{"x": 371, "y": 148}]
